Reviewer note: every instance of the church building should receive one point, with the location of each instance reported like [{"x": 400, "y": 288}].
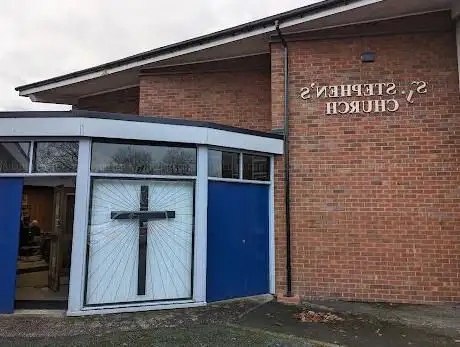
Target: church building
[{"x": 310, "y": 154}]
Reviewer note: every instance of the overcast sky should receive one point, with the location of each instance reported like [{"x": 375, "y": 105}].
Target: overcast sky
[{"x": 41, "y": 39}]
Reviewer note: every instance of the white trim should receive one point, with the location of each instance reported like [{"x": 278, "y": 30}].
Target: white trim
[
  {"x": 238, "y": 180},
  {"x": 198, "y": 47},
  {"x": 236, "y": 150},
  {"x": 110, "y": 128},
  {"x": 104, "y": 307},
  {"x": 221, "y": 138},
  {"x": 46, "y": 127},
  {"x": 201, "y": 225},
  {"x": 34, "y": 138},
  {"x": 31, "y": 157},
  {"x": 121, "y": 129},
  {"x": 78, "y": 257},
  {"x": 38, "y": 174},
  {"x": 135, "y": 176},
  {"x": 271, "y": 223},
  {"x": 241, "y": 166},
  {"x": 135, "y": 308}
]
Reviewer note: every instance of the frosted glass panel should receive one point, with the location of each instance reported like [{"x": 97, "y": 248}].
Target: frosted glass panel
[{"x": 114, "y": 241}]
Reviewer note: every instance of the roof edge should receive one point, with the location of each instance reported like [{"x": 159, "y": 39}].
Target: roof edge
[
  {"x": 136, "y": 118},
  {"x": 243, "y": 28}
]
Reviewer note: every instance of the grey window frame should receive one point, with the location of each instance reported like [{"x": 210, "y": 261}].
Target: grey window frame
[
  {"x": 33, "y": 161},
  {"x": 226, "y": 151},
  {"x": 32, "y": 141},
  {"x": 240, "y": 179}
]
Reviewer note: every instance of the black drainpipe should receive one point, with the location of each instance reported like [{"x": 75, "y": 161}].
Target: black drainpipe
[{"x": 287, "y": 198}]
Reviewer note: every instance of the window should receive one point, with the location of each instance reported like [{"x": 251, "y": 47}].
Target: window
[
  {"x": 256, "y": 167},
  {"x": 14, "y": 157},
  {"x": 52, "y": 157},
  {"x": 121, "y": 158},
  {"x": 223, "y": 164}
]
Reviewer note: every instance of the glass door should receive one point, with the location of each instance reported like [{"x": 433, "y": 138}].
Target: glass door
[{"x": 59, "y": 222}]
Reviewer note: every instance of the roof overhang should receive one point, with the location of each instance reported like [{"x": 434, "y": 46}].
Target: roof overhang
[
  {"x": 130, "y": 127},
  {"x": 245, "y": 40}
]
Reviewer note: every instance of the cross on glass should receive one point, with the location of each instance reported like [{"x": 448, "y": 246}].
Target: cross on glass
[{"x": 144, "y": 215}]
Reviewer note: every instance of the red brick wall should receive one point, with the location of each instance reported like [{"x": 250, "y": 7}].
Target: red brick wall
[
  {"x": 375, "y": 198},
  {"x": 120, "y": 101},
  {"x": 232, "y": 96}
]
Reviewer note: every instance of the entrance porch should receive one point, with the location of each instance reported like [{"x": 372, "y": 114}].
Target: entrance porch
[{"x": 167, "y": 213}]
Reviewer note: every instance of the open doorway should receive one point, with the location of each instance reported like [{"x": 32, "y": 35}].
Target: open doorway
[{"x": 45, "y": 242}]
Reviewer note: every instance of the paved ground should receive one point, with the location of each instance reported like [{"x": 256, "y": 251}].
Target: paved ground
[
  {"x": 357, "y": 330},
  {"x": 210, "y": 335},
  {"x": 440, "y": 319},
  {"x": 214, "y": 325},
  {"x": 24, "y": 326},
  {"x": 239, "y": 323}
]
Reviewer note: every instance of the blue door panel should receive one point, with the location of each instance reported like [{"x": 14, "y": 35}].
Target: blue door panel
[
  {"x": 225, "y": 245},
  {"x": 257, "y": 244},
  {"x": 237, "y": 262},
  {"x": 10, "y": 214}
]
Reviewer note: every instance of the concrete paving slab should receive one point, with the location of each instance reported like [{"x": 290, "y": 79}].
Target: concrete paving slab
[
  {"x": 439, "y": 319},
  {"x": 355, "y": 330}
]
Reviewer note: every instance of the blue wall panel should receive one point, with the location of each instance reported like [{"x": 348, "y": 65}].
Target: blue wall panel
[
  {"x": 238, "y": 240},
  {"x": 10, "y": 214}
]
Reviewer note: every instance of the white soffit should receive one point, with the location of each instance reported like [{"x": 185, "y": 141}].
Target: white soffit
[
  {"x": 259, "y": 37},
  {"x": 251, "y": 42}
]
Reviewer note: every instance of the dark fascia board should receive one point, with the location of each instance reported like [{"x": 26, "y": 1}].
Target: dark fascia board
[
  {"x": 244, "y": 28},
  {"x": 135, "y": 118}
]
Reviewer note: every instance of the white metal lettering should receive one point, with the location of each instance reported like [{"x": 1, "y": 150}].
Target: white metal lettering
[{"x": 386, "y": 91}]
